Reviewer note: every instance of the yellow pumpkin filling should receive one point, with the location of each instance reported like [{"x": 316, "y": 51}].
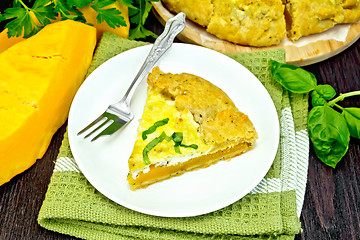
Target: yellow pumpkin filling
[{"x": 187, "y": 123}]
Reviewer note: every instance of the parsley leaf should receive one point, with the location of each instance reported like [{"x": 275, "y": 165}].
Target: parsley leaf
[
  {"x": 127, "y": 3},
  {"x": 79, "y": 3},
  {"x": 22, "y": 17},
  {"x": 67, "y": 12},
  {"x": 138, "y": 17},
  {"x": 2, "y": 18},
  {"x": 23, "y": 23},
  {"x": 44, "y": 13},
  {"x": 111, "y": 16}
]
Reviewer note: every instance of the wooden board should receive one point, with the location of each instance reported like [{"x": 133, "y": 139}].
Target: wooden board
[{"x": 314, "y": 50}]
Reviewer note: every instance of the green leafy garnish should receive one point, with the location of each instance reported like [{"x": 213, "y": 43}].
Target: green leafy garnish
[
  {"x": 288, "y": 76},
  {"x": 321, "y": 94},
  {"x": 2, "y": 18},
  {"x": 67, "y": 12},
  {"x": 329, "y": 133},
  {"x": 21, "y": 22},
  {"x": 78, "y": 3},
  {"x": 138, "y": 16},
  {"x": 127, "y": 3},
  {"x": 154, "y": 127},
  {"x": 352, "y": 117},
  {"x": 329, "y": 130},
  {"x": 176, "y": 137},
  {"x": 152, "y": 144},
  {"x": 111, "y": 16}
]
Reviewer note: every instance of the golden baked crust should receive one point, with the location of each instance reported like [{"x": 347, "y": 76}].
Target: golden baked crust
[
  {"x": 198, "y": 11},
  {"x": 306, "y": 17},
  {"x": 314, "y": 16},
  {"x": 351, "y": 10},
  {"x": 263, "y": 23},
  {"x": 248, "y": 22},
  {"x": 205, "y": 116}
]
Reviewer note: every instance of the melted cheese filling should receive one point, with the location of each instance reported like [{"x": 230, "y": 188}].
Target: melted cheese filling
[{"x": 159, "y": 107}]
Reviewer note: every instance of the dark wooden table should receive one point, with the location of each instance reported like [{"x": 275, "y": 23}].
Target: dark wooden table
[{"x": 332, "y": 202}]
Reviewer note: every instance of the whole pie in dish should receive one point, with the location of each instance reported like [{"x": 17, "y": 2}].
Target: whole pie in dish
[{"x": 188, "y": 123}]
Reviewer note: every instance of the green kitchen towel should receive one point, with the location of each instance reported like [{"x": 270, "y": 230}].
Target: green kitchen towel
[{"x": 270, "y": 211}]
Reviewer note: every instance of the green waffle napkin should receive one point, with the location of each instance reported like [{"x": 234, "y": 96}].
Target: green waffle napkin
[{"x": 270, "y": 211}]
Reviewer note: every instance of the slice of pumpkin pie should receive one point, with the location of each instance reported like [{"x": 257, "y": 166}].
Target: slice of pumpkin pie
[
  {"x": 256, "y": 23},
  {"x": 188, "y": 123},
  {"x": 305, "y": 17}
]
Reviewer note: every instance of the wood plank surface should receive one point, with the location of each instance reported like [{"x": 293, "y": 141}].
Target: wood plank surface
[{"x": 332, "y": 202}]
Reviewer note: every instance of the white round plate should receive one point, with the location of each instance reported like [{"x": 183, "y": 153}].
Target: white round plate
[{"x": 104, "y": 162}]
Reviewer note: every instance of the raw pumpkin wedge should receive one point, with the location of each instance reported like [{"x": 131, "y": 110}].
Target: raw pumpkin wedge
[
  {"x": 6, "y": 42},
  {"x": 39, "y": 78},
  {"x": 90, "y": 16}
]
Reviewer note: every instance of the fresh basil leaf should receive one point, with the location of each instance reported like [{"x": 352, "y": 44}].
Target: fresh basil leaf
[
  {"x": 321, "y": 94},
  {"x": 154, "y": 127},
  {"x": 329, "y": 134},
  {"x": 151, "y": 145},
  {"x": 316, "y": 99},
  {"x": 177, "y": 137},
  {"x": 177, "y": 148},
  {"x": 293, "y": 78},
  {"x": 326, "y": 91},
  {"x": 352, "y": 117},
  {"x": 194, "y": 146}
]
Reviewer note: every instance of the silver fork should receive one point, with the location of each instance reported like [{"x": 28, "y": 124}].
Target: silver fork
[{"x": 119, "y": 113}]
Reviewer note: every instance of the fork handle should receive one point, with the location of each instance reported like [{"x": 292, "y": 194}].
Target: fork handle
[{"x": 172, "y": 28}]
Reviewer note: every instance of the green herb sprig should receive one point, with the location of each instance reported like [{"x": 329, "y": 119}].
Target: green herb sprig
[
  {"x": 21, "y": 23},
  {"x": 138, "y": 17},
  {"x": 176, "y": 137},
  {"x": 329, "y": 130}
]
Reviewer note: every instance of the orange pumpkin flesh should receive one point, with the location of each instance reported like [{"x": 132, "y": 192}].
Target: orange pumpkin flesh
[
  {"x": 90, "y": 16},
  {"x": 40, "y": 77}
]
